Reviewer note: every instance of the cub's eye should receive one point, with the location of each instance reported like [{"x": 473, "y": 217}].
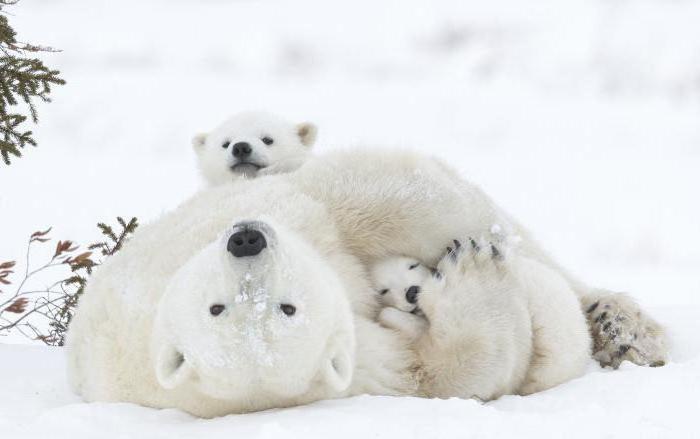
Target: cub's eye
[
  {"x": 267, "y": 140},
  {"x": 226, "y": 144},
  {"x": 215, "y": 310},
  {"x": 384, "y": 291},
  {"x": 288, "y": 309},
  {"x": 413, "y": 266}
]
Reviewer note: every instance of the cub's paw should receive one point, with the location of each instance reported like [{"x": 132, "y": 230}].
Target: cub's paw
[
  {"x": 410, "y": 325},
  {"x": 621, "y": 331}
]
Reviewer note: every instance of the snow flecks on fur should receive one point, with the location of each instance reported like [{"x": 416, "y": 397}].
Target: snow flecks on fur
[
  {"x": 255, "y": 341},
  {"x": 504, "y": 236},
  {"x": 255, "y": 327}
]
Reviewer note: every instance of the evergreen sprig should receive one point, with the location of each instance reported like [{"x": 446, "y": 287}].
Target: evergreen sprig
[
  {"x": 22, "y": 79},
  {"x": 108, "y": 248}
]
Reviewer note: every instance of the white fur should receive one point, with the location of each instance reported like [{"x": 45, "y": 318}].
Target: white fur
[
  {"x": 147, "y": 307},
  {"x": 392, "y": 277},
  {"x": 252, "y": 337},
  {"x": 513, "y": 324},
  {"x": 496, "y": 325},
  {"x": 289, "y": 149},
  {"x": 334, "y": 214},
  {"x": 406, "y": 204}
]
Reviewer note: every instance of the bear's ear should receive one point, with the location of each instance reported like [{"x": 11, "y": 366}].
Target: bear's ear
[
  {"x": 307, "y": 133},
  {"x": 171, "y": 367},
  {"x": 198, "y": 141},
  {"x": 337, "y": 369}
]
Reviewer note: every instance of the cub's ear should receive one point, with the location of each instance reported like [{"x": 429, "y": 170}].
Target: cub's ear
[
  {"x": 307, "y": 133},
  {"x": 198, "y": 141}
]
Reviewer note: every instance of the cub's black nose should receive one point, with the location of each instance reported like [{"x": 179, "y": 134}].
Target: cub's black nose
[
  {"x": 242, "y": 150},
  {"x": 412, "y": 294},
  {"x": 248, "y": 242}
]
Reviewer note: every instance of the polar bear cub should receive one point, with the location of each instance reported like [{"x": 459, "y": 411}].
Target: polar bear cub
[
  {"x": 250, "y": 144},
  {"x": 487, "y": 322},
  {"x": 398, "y": 281}
]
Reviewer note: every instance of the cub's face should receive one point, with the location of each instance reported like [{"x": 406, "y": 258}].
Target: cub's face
[
  {"x": 398, "y": 282},
  {"x": 258, "y": 318},
  {"x": 252, "y": 144}
]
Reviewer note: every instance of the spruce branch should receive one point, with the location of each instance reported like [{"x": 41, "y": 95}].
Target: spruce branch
[
  {"x": 116, "y": 241},
  {"x": 23, "y": 79}
]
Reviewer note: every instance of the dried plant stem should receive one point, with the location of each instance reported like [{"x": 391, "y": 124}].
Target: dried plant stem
[{"x": 55, "y": 304}]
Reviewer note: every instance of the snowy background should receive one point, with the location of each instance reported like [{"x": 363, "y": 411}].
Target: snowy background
[{"x": 580, "y": 117}]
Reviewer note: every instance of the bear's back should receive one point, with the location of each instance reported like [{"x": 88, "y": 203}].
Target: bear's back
[{"x": 389, "y": 203}]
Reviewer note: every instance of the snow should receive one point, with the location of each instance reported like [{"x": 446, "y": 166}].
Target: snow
[
  {"x": 632, "y": 401},
  {"x": 582, "y": 118}
]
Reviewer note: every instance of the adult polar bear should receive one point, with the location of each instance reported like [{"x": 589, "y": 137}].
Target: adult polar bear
[{"x": 324, "y": 221}]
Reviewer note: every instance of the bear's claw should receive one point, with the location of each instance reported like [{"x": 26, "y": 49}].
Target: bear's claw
[
  {"x": 455, "y": 252},
  {"x": 495, "y": 253},
  {"x": 475, "y": 246}
]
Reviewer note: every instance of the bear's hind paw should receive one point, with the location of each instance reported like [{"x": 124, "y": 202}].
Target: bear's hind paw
[{"x": 621, "y": 331}]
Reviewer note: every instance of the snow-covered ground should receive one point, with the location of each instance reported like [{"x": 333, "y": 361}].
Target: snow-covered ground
[
  {"x": 580, "y": 117},
  {"x": 630, "y": 402}
]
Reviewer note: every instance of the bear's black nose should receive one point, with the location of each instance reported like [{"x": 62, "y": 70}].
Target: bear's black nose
[
  {"x": 412, "y": 294},
  {"x": 242, "y": 150},
  {"x": 248, "y": 242}
]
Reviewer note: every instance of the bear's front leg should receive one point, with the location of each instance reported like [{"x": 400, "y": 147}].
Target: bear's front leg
[
  {"x": 479, "y": 332},
  {"x": 622, "y": 331}
]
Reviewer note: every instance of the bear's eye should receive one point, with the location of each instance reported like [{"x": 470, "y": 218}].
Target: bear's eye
[
  {"x": 215, "y": 310},
  {"x": 414, "y": 266},
  {"x": 384, "y": 291},
  {"x": 267, "y": 140},
  {"x": 288, "y": 309},
  {"x": 226, "y": 144}
]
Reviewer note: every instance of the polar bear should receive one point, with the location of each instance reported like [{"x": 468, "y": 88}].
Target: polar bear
[
  {"x": 488, "y": 304},
  {"x": 402, "y": 203},
  {"x": 242, "y": 299},
  {"x": 251, "y": 144},
  {"x": 163, "y": 323},
  {"x": 398, "y": 281}
]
